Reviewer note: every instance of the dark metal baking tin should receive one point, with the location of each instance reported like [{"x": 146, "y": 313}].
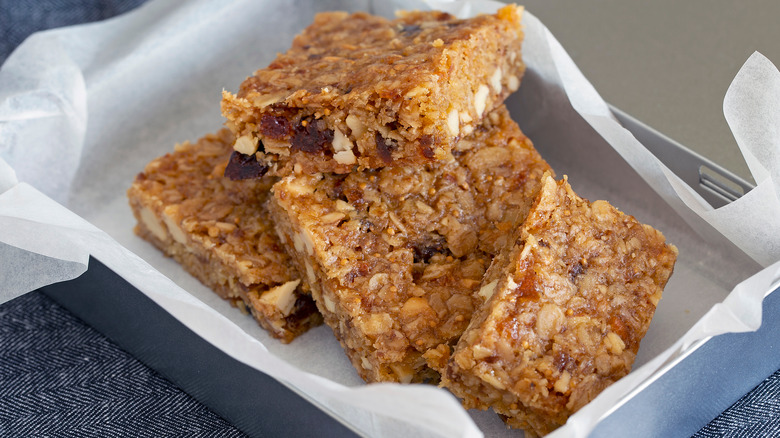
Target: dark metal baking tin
[{"x": 679, "y": 403}]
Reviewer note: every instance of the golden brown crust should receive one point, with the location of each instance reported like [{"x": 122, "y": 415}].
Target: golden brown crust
[
  {"x": 359, "y": 91},
  {"x": 220, "y": 232},
  {"x": 569, "y": 304},
  {"x": 395, "y": 256}
]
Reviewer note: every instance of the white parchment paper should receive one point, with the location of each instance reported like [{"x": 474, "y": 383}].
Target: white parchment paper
[{"x": 83, "y": 109}]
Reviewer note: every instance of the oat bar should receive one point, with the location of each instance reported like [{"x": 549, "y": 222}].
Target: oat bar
[
  {"x": 568, "y": 305},
  {"x": 219, "y": 231},
  {"x": 395, "y": 256},
  {"x": 359, "y": 91}
]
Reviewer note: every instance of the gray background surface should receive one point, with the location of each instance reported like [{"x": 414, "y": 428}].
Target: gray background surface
[{"x": 666, "y": 62}]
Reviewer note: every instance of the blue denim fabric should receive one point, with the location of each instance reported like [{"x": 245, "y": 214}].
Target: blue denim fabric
[
  {"x": 757, "y": 414},
  {"x": 20, "y": 18},
  {"x": 60, "y": 377}
]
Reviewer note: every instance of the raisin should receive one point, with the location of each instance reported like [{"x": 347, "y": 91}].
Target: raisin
[
  {"x": 410, "y": 29},
  {"x": 491, "y": 359},
  {"x": 338, "y": 189},
  {"x": 424, "y": 250},
  {"x": 576, "y": 270},
  {"x": 365, "y": 226},
  {"x": 526, "y": 290},
  {"x": 562, "y": 361},
  {"x": 243, "y": 166},
  {"x": 385, "y": 147},
  {"x": 621, "y": 329},
  {"x": 425, "y": 146},
  {"x": 444, "y": 16},
  {"x": 360, "y": 269},
  {"x": 303, "y": 308},
  {"x": 275, "y": 127},
  {"x": 308, "y": 137}
]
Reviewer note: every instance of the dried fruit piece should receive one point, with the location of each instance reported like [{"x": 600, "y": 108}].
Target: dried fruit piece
[
  {"x": 220, "y": 231},
  {"x": 395, "y": 256},
  {"x": 242, "y": 166},
  {"x": 420, "y": 83},
  {"x": 560, "y": 323}
]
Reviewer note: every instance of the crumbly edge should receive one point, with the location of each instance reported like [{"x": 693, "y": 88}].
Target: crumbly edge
[
  {"x": 392, "y": 121},
  {"x": 218, "y": 277},
  {"x": 552, "y": 379},
  {"x": 278, "y": 303},
  {"x": 411, "y": 369},
  {"x": 386, "y": 310}
]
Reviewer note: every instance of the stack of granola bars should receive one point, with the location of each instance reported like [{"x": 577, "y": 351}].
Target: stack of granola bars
[{"x": 371, "y": 177}]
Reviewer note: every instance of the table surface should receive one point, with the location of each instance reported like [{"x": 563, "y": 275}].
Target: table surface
[{"x": 666, "y": 63}]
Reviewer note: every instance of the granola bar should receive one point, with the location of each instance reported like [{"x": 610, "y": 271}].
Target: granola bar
[
  {"x": 568, "y": 304},
  {"x": 219, "y": 231},
  {"x": 360, "y": 91},
  {"x": 395, "y": 256}
]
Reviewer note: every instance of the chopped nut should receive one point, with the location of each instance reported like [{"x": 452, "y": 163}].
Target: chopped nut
[
  {"x": 397, "y": 222},
  {"x": 487, "y": 290},
  {"x": 340, "y": 141},
  {"x": 549, "y": 321},
  {"x": 246, "y": 145},
  {"x": 480, "y": 99},
  {"x": 357, "y": 127},
  {"x": 453, "y": 124},
  {"x": 176, "y": 232},
  {"x": 307, "y": 242},
  {"x": 377, "y": 281},
  {"x": 332, "y": 217},
  {"x": 298, "y": 189},
  {"x": 310, "y": 273},
  {"x": 404, "y": 373},
  {"x": 261, "y": 101},
  {"x": 343, "y": 206},
  {"x": 414, "y": 306},
  {"x": 329, "y": 304},
  {"x": 281, "y": 297},
  {"x": 495, "y": 80},
  {"x": 492, "y": 380},
  {"x": 615, "y": 344},
  {"x": 512, "y": 83},
  {"x": 376, "y": 324},
  {"x": 423, "y": 207},
  {"x": 416, "y": 91},
  {"x": 226, "y": 227},
  {"x": 480, "y": 352},
  {"x": 345, "y": 157},
  {"x": 153, "y": 225},
  {"x": 562, "y": 384}
]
